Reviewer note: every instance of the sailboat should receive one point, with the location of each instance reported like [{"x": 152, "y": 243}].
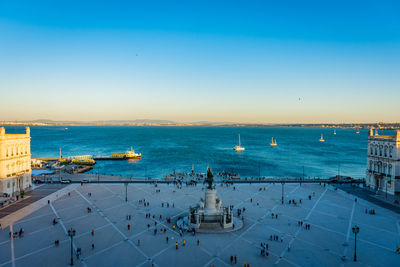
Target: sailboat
[
  {"x": 273, "y": 143},
  {"x": 238, "y": 147},
  {"x": 334, "y": 132},
  {"x": 322, "y": 138}
]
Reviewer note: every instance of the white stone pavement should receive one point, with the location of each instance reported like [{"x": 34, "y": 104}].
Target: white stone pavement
[{"x": 330, "y": 213}]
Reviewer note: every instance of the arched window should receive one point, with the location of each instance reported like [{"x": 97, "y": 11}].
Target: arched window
[
  {"x": 380, "y": 151},
  {"x": 376, "y": 150},
  {"x": 390, "y": 151},
  {"x": 384, "y": 169},
  {"x": 374, "y": 167},
  {"x": 389, "y": 170},
  {"x": 385, "y": 151},
  {"x": 379, "y": 167},
  {"x": 370, "y": 166}
]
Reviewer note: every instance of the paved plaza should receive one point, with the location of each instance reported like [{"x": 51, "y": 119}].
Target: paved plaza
[{"x": 329, "y": 241}]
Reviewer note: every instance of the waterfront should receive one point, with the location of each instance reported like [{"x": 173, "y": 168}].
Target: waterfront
[{"x": 166, "y": 149}]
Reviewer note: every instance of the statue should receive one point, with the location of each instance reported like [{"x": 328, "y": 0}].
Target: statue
[
  {"x": 209, "y": 178},
  {"x": 209, "y": 213}
]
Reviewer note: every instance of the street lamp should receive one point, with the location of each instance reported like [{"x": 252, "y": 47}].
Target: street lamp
[
  {"x": 71, "y": 233},
  {"x": 356, "y": 229},
  {"x": 126, "y": 191}
]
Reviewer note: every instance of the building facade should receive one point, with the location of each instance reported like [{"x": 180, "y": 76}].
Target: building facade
[
  {"x": 383, "y": 162},
  {"x": 15, "y": 162}
]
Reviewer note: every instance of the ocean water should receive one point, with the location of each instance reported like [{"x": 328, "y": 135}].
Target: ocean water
[{"x": 165, "y": 149}]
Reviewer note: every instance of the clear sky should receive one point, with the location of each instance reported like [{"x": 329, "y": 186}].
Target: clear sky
[{"x": 245, "y": 61}]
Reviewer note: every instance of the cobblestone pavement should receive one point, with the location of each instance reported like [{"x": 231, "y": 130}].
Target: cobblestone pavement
[{"x": 329, "y": 242}]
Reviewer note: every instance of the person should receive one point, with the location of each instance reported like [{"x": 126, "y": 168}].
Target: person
[
  {"x": 56, "y": 242},
  {"x": 176, "y": 245},
  {"x": 198, "y": 242},
  {"x": 92, "y": 245},
  {"x": 92, "y": 232},
  {"x": 129, "y": 226},
  {"x": 231, "y": 259},
  {"x": 54, "y": 221},
  {"x": 184, "y": 242},
  {"x": 138, "y": 242},
  {"x": 235, "y": 259},
  {"x": 166, "y": 239}
]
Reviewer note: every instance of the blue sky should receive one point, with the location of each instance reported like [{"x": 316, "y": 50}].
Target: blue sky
[{"x": 246, "y": 61}]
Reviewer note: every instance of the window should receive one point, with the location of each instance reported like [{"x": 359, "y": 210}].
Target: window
[
  {"x": 389, "y": 170},
  {"x": 376, "y": 150},
  {"x": 390, "y": 151},
  {"x": 372, "y": 150},
  {"x": 379, "y": 167},
  {"x": 370, "y": 166},
  {"x": 380, "y": 151},
  {"x": 8, "y": 184},
  {"x": 374, "y": 167},
  {"x": 384, "y": 169},
  {"x": 385, "y": 151}
]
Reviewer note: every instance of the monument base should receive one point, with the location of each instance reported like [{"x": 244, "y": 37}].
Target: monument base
[{"x": 210, "y": 214}]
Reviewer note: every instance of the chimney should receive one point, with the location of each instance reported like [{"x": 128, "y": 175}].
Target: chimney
[
  {"x": 397, "y": 135},
  {"x": 371, "y": 132}
]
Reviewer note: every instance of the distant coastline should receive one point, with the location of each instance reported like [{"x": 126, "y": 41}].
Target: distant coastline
[{"x": 379, "y": 125}]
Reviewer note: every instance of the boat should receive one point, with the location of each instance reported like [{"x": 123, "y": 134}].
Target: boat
[
  {"x": 130, "y": 154},
  {"x": 322, "y": 138},
  {"x": 358, "y": 131},
  {"x": 238, "y": 147},
  {"x": 334, "y": 132},
  {"x": 273, "y": 143}
]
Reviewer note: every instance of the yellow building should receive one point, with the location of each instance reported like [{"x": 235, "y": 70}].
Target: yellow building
[{"x": 15, "y": 162}]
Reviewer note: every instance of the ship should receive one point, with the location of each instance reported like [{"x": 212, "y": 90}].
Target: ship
[
  {"x": 130, "y": 154},
  {"x": 334, "y": 132},
  {"x": 273, "y": 143},
  {"x": 358, "y": 131},
  {"x": 322, "y": 138},
  {"x": 238, "y": 147}
]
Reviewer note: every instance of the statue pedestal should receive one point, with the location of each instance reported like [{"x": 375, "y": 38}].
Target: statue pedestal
[
  {"x": 210, "y": 202},
  {"x": 210, "y": 214}
]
